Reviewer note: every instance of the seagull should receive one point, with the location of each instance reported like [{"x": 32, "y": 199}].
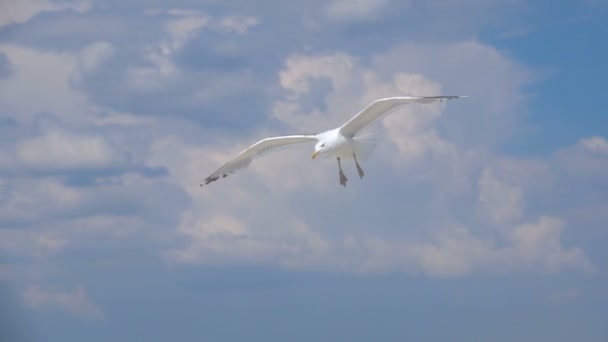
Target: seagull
[{"x": 344, "y": 142}]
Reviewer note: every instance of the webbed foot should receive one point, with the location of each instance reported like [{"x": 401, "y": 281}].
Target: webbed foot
[{"x": 343, "y": 179}]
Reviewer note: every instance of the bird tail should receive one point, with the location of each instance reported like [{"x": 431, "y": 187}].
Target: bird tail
[{"x": 366, "y": 143}]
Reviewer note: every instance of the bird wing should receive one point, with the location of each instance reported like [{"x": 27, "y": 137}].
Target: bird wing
[
  {"x": 381, "y": 107},
  {"x": 244, "y": 158}
]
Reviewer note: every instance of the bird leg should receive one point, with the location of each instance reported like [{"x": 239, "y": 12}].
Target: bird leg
[
  {"x": 343, "y": 178},
  {"x": 359, "y": 169}
]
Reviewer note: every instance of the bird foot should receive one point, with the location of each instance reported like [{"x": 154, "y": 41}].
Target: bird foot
[
  {"x": 343, "y": 179},
  {"x": 360, "y": 171}
]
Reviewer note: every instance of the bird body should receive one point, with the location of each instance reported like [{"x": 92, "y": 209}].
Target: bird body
[
  {"x": 341, "y": 146},
  {"x": 342, "y": 143},
  {"x": 333, "y": 143}
]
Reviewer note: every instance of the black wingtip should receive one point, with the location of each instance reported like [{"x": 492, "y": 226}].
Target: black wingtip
[
  {"x": 209, "y": 180},
  {"x": 454, "y": 97}
]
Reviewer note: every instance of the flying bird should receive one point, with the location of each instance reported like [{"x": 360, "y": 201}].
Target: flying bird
[{"x": 344, "y": 142}]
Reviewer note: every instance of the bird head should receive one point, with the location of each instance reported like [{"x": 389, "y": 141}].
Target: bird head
[{"x": 320, "y": 147}]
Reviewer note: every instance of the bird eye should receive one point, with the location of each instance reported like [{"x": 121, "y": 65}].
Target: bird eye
[{"x": 322, "y": 145}]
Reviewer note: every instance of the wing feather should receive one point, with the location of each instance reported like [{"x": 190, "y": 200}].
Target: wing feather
[
  {"x": 384, "y": 106},
  {"x": 243, "y": 159}
]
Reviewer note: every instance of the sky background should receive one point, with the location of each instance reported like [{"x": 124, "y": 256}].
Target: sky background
[{"x": 483, "y": 218}]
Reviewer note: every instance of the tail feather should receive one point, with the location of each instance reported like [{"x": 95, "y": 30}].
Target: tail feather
[{"x": 366, "y": 144}]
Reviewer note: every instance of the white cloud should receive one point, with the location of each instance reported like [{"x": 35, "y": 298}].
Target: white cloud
[
  {"x": 50, "y": 77},
  {"x": 423, "y": 207},
  {"x": 300, "y": 70},
  {"x": 598, "y": 144},
  {"x": 75, "y": 302},
  {"x": 121, "y": 119},
  {"x": 56, "y": 131},
  {"x": 65, "y": 150},
  {"x": 225, "y": 239},
  {"x": 452, "y": 252},
  {"x": 49, "y": 242},
  {"x": 449, "y": 241},
  {"x": 182, "y": 26},
  {"x": 95, "y": 54},
  {"x": 46, "y": 77},
  {"x": 220, "y": 225},
  {"x": 23, "y": 10},
  {"x": 237, "y": 24},
  {"x": 354, "y": 10},
  {"x": 493, "y": 81},
  {"x": 34, "y": 244},
  {"x": 32, "y": 199},
  {"x": 586, "y": 159},
  {"x": 299, "y": 76},
  {"x": 504, "y": 202},
  {"x": 456, "y": 251},
  {"x": 189, "y": 21},
  {"x": 539, "y": 243}
]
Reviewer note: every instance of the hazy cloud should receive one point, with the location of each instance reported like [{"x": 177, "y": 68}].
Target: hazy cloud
[
  {"x": 75, "y": 302},
  {"x": 343, "y": 10},
  {"x": 22, "y": 11},
  {"x": 59, "y": 149}
]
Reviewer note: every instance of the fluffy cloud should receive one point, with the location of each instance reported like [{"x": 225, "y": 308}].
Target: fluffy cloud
[
  {"x": 588, "y": 158},
  {"x": 457, "y": 176},
  {"x": 596, "y": 144},
  {"x": 477, "y": 220},
  {"x": 437, "y": 199},
  {"x": 181, "y": 27},
  {"x": 468, "y": 68},
  {"x": 540, "y": 241},
  {"x": 113, "y": 112},
  {"x": 45, "y": 77},
  {"x": 502, "y": 201}
]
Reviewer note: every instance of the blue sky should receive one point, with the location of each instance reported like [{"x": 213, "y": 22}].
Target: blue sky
[{"x": 478, "y": 219}]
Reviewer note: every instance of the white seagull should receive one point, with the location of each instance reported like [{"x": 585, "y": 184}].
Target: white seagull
[{"x": 340, "y": 143}]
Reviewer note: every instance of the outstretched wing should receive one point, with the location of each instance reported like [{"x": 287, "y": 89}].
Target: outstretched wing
[
  {"x": 265, "y": 145},
  {"x": 381, "y": 107}
]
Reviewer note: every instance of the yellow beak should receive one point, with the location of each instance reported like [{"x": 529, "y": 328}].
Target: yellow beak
[{"x": 314, "y": 154}]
